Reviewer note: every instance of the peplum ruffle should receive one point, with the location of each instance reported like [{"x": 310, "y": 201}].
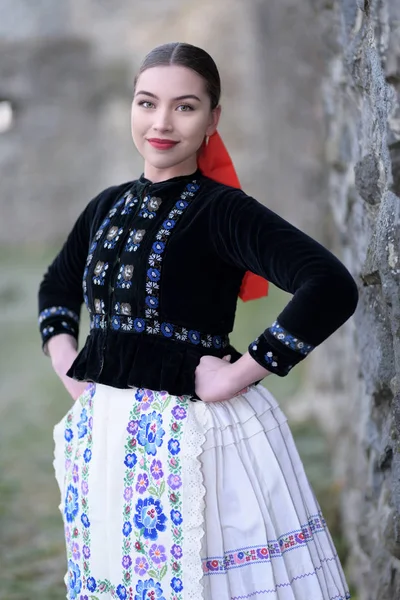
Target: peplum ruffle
[{"x": 143, "y": 361}]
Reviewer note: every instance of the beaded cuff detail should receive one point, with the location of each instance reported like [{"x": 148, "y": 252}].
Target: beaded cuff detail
[
  {"x": 57, "y": 311},
  {"x": 278, "y": 351},
  {"x": 289, "y": 340},
  {"x": 58, "y": 319}
]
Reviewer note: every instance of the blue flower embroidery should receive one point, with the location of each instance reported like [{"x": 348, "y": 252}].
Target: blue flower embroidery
[
  {"x": 127, "y": 528},
  {"x": 116, "y": 323},
  {"x": 82, "y": 429},
  {"x": 71, "y": 503},
  {"x": 68, "y": 434},
  {"x": 85, "y": 520},
  {"x": 150, "y": 517},
  {"x": 149, "y": 589},
  {"x": 87, "y": 455},
  {"x": 176, "y": 517},
  {"x": 217, "y": 341},
  {"x": 150, "y": 432},
  {"x": 74, "y": 579},
  {"x": 169, "y": 224},
  {"x": 139, "y": 325},
  {"x": 158, "y": 247},
  {"x": 194, "y": 337},
  {"x": 130, "y": 460},
  {"x": 153, "y": 274},
  {"x": 167, "y": 329},
  {"x": 192, "y": 187},
  {"x": 82, "y": 424},
  {"x": 174, "y": 446},
  {"x": 121, "y": 592},
  {"x": 176, "y": 584},
  {"x": 91, "y": 584},
  {"x": 151, "y": 301},
  {"x": 181, "y": 204}
]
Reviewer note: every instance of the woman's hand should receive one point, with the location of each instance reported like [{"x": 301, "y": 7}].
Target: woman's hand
[
  {"x": 217, "y": 379},
  {"x": 63, "y": 351},
  {"x": 213, "y": 382}
]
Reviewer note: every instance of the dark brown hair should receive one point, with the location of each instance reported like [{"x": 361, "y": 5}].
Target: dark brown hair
[{"x": 191, "y": 57}]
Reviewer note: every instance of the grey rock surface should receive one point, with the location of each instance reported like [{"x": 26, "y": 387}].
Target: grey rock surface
[{"x": 356, "y": 374}]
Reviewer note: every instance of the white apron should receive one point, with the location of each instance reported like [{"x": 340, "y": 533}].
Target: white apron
[{"x": 168, "y": 499}]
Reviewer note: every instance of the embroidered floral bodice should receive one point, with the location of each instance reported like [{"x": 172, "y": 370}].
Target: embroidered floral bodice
[{"x": 159, "y": 267}]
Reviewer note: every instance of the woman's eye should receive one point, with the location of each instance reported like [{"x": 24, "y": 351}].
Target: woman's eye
[
  {"x": 185, "y": 108},
  {"x": 146, "y": 104}
]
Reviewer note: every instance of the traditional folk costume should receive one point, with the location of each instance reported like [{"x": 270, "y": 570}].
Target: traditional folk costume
[{"x": 163, "y": 496}]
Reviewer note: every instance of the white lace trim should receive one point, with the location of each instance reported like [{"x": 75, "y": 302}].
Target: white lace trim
[{"x": 193, "y": 500}]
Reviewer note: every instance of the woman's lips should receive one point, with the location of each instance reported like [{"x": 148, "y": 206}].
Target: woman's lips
[{"x": 162, "y": 144}]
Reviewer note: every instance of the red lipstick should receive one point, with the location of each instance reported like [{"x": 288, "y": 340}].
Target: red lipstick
[{"x": 162, "y": 144}]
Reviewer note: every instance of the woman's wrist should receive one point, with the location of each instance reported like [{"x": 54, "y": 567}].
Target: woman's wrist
[
  {"x": 62, "y": 350},
  {"x": 246, "y": 371}
]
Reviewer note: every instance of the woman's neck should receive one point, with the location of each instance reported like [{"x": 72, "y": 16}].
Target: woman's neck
[{"x": 156, "y": 175}]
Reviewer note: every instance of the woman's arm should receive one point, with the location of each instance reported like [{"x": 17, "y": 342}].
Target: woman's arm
[
  {"x": 61, "y": 293},
  {"x": 62, "y": 349},
  {"x": 60, "y": 300},
  {"x": 252, "y": 237}
]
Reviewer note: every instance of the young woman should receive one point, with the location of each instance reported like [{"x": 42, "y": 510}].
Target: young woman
[{"x": 179, "y": 477}]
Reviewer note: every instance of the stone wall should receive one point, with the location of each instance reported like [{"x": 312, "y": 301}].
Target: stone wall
[{"x": 356, "y": 374}]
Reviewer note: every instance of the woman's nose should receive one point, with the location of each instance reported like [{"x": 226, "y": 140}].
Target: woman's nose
[{"x": 162, "y": 121}]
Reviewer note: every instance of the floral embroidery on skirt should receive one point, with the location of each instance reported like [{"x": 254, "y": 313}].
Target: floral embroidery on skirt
[{"x": 166, "y": 499}]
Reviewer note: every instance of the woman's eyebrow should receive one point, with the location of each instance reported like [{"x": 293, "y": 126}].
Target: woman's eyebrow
[{"x": 184, "y": 97}]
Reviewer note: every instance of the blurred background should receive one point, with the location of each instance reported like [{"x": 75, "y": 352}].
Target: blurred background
[{"x": 310, "y": 117}]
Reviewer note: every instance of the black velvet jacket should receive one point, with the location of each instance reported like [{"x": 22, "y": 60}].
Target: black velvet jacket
[{"x": 162, "y": 265}]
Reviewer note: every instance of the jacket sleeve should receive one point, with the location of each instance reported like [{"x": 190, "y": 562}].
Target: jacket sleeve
[
  {"x": 60, "y": 292},
  {"x": 252, "y": 237}
]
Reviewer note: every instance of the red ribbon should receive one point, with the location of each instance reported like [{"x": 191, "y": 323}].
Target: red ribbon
[{"x": 215, "y": 163}]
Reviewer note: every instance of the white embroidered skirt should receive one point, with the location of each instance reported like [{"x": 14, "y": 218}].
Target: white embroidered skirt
[{"x": 168, "y": 499}]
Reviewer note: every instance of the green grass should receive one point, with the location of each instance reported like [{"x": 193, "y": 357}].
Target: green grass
[{"x": 32, "y": 560}]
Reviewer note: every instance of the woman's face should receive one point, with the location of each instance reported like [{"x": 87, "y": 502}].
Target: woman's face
[{"x": 171, "y": 115}]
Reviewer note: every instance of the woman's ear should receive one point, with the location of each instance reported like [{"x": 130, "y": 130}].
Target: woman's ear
[{"x": 214, "y": 120}]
